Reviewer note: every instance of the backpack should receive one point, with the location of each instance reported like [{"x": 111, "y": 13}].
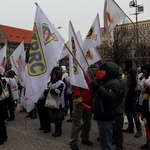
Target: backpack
[{"x": 5, "y": 92}]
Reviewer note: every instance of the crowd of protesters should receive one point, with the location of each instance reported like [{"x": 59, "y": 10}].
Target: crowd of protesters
[{"x": 113, "y": 92}]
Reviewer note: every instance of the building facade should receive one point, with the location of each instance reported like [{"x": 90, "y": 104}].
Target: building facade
[
  {"x": 134, "y": 41},
  {"x": 12, "y": 37},
  {"x": 129, "y": 42}
]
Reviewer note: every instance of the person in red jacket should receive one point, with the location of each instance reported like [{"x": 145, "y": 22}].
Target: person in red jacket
[{"x": 81, "y": 111}]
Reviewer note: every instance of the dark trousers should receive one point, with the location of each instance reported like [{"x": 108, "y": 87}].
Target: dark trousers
[
  {"x": 70, "y": 100},
  {"x": 58, "y": 126},
  {"x": 118, "y": 133},
  {"x": 43, "y": 114},
  {"x": 131, "y": 111},
  {"x": 3, "y": 133},
  {"x": 11, "y": 109}
]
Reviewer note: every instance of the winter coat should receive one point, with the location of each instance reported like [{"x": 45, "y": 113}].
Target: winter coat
[
  {"x": 86, "y": 94},
  {"x": 3, "y": 105},
  {"x": 106, "y": 94}
]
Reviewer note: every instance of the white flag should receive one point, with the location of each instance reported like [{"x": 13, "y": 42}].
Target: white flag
[
  {"x": 17, "y": 59},
  {"x": 3, "y": 57},
  {"x": 26, "y": 102},
  {"x": 88, "y": 56},
  {"x": 76, "y": 73},
  {"x": 64, "y": 52},
  {"x": 94, "y": 36},
  {"x": 45, "y": 50},
  {"x": 112, "y": 16}
]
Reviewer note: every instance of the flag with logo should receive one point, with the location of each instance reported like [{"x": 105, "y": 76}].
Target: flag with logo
[
  {"x": 17, "y": 59},
  {"x": 89, "y": 56},
  {"x": 112, "y": 16},
  {"x": 76, "y": 73},
  {"x": 45, "y": 50},
  {"x": 94, "y": 37},
  {"x": 3, "y": 57}
]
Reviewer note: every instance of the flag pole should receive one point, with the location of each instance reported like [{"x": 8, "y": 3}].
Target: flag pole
[
  {"x": 82, "y": 54},
  {"x": 79, "y": 45},
  {"x": 76, "y": 61},
  {"x": 74, "y": 58},
  {"x": 133, "y": 23}
]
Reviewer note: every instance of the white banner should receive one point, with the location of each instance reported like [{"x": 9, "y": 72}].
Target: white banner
[{"x": 45, "y": 50}]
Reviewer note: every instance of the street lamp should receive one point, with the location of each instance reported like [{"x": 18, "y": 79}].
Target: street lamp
[{"x": 138, "y": 10}]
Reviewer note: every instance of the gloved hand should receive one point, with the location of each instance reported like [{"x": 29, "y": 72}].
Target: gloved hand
[{"x": 94, "y": 84}]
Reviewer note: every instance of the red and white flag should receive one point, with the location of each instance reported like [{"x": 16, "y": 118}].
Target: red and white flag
[
  {"x": 94, "y": 36},
  {"x": 76, "y": 73},
  {"x": 112, "y": 16},
  {"x": 3, "y": 57},
  {"x": 45, "y": 50},
  {"x": 17, "y": 59}
]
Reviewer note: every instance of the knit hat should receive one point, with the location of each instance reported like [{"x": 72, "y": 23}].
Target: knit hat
[{"x": 128, "y": 64}]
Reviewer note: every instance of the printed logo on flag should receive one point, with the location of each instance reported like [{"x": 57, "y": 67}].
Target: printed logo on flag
[
  {"x": 20, "y": 64},
  {"x": 37, "y": 63},
  {"x": 91, "y": 34},
  {"x": 48, "y": 36},
  {"x": 109, "y": 19},
  {"x": 75, "y": 66},
  {"x": 88, "y": 55}
]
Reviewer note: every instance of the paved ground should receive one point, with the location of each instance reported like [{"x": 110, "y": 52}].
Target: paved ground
[{"x": 23, "y": 134}]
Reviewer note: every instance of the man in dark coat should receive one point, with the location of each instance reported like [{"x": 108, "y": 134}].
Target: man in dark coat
[{"x": 106, "y": 90}]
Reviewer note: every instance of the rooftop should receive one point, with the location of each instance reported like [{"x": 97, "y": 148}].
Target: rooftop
[{"x": 18, "y": 35}]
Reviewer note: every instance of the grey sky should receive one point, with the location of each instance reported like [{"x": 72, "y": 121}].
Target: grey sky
[{"x": 21, "y": 13}]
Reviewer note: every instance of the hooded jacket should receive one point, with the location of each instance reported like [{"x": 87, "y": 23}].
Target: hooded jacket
[
  {"x": 131, "y": 79},
  {"x": 106, "y": 94}
]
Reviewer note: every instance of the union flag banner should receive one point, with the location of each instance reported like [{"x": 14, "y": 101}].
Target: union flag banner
[
  {"x": 17, "y": 59},
  {"x": 76, "y": 73},
  {"x": 89, "y": 56},
  {"x": 3, "y": 57},
  {"x": 112, "y": 16},
  {"x": 94, "y": 37},
  {"x": 45, "y": 50}
]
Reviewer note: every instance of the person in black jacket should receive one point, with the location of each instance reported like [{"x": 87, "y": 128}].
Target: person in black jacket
[
  {"x": 131, "y": 81},
  {"x": 118, "y": 132},
  {"x": 3, "y": 112},
  {"x": 106, "y": 90}
]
